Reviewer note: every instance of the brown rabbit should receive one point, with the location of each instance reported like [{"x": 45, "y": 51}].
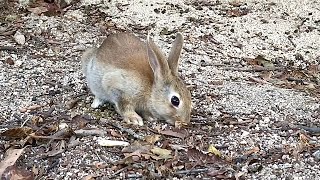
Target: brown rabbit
[{"x": 138, "y": 79}]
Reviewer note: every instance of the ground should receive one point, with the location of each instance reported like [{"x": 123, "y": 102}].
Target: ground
[{"x": 252, "y": 68}]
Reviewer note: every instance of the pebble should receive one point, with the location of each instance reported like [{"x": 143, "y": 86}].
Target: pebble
[
  {"x": 19, "y": 38},
  {"x": 316, "y": 155}
]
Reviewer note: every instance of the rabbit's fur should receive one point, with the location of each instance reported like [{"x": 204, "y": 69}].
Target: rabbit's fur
[{"x": 138, "y": 79}]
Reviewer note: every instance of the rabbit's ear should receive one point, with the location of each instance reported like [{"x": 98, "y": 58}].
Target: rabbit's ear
[
  {"x": 174, "y": 56},
  {"x": 157, "y": 60}
]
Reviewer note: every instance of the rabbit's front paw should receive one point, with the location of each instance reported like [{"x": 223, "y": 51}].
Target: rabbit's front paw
[
  {"x": 133, "y": 118},
  {"x": 96, "y": 103}
]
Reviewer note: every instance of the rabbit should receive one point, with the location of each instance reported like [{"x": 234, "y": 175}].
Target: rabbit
[{"x": 138, "y": 79}]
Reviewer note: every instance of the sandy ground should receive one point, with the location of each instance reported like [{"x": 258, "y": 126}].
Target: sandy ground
[{"x": 225, "y": 42}]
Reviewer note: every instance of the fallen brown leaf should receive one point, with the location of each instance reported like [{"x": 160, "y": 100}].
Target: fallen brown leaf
[
  {"x": 152, "y": 138},
  {"x": 100, "y": 165},
  {"x": 200, "y": 157},
  {"x": 89, "y": 177},
  {"x": 133, "y": 148},
  {"x": 114, "y": 133},
  {"x": 14, "y": 173},
  {"x": 11, "y": 157},
  {"x": 252, "y": 151},
  {"x": 38, "y": 10},
  {"x": 161, "y": 153},
  {"x": 60, "y": 148},
  {"x": 72, "y": 103},
  {"x": 214, "y": 150},
  {"x": 20, "y": 132},
  {"x": 173, "y": 134}
]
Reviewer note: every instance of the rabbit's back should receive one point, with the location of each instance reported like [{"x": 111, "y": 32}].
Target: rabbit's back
[
  {"x": 119, "y": 67},
  {"x": 126, "y": 52}
]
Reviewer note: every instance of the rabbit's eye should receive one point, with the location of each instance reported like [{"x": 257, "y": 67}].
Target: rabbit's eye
[{"x": 175, "y": 101}]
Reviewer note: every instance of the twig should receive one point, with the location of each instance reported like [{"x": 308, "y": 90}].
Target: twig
[
  {"x": 117, "y": 172},
  {"x": 257, "y": 80},
  {"x": 7, "y": 48},
  {"x": 135, "y": 176},
  {"x": 52, "y": 83},
  {"x": 60, "y": 135},
  {"x": 255, "y": 69},
  {"x": 312, "y": 130},
  {"x": 129, "y": 131},
  {"x": 24, "y": 122},
  {"x": 46, "y": 137},
  {"x": 238, "y": 123},
  {"x": 189, "y": 171},
  {"x": 297, "y": 81},
  {"x": 53, "y": 165},
  {"x": 193, "y": 171},
  {"x": 89, "y": 132},
  {"x": 290, "y": 40}
]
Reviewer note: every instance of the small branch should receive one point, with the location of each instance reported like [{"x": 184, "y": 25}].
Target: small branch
[
  {"x": 193, "y": 171},
  {"x": 297, "y": 81},
  {"x": 89, "y": 132},
  {"x": 312, "y": 130},
  {"x": 129, "y": 131},
  {"x": 46, "y": 137},
  {"x": 59, "y": 135},
  {"x": 7, "y": 48},
  {"x": 239, "y": 123},
  {"x": 290, "y": 40},
  {"x": 134, "y": 176},
  {"x": 255, "y": 69},
  {"x": 257, "y": 80},
  {"x": 117, "y": 172}
]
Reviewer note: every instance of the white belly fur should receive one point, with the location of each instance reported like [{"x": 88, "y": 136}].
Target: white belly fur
[{"x": 110, "y": 83}]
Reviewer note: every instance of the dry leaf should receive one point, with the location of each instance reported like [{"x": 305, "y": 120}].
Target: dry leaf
[
  {"x": 14, "y": 173},
  {"x": 260, "y": 61},
  {"x": 152, "y": 138},
  {"x": 173, "y": 134},
  {"x": 253, "y": 150},
  {"x": 162, "y": 153},
  {"x": 58, "y": 150},
  {"x": 35, "y": 170},
  {"x": 214, "y": 150},
  {"x": 134, "y": 148},
  {"x": 114, "y": 133},
  {"x": 89, "y": 177},
  {"x": 35, "y": 120},
  {"x": 100, "y": 165},
  {"x": 20, "y": 132},
  {"x": 80, "y": 121},
  {"x": 38, "y": 10},
  {"x": 304, "y": 140},
  {"x": 200, "y": 157},
  {"x": 72, "y": 103},
  {"x": 11, "y": 157}
]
